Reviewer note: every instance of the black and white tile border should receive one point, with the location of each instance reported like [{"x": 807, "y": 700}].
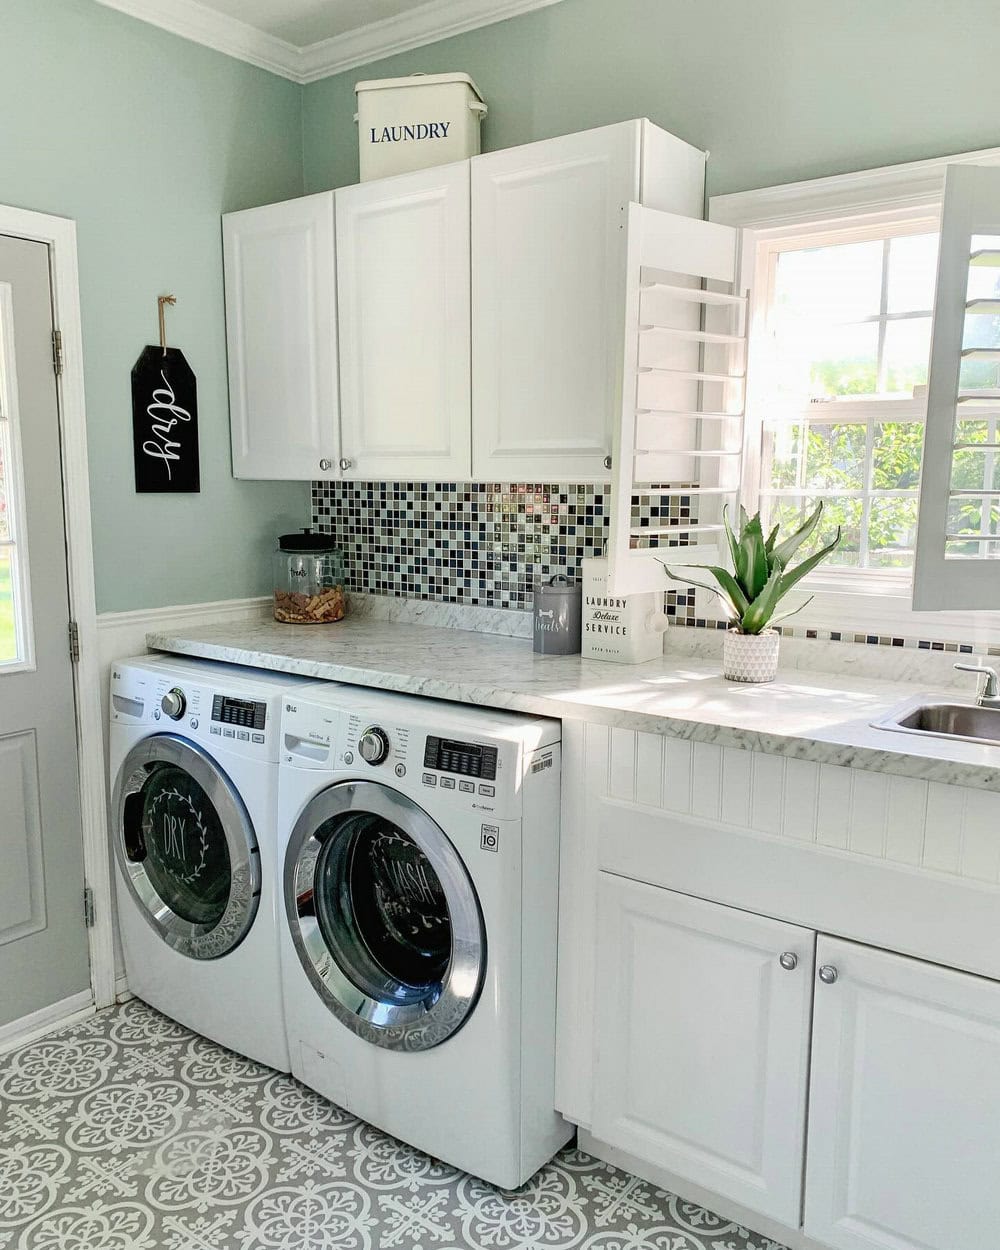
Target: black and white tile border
[{"x": 129, "y": 1132}]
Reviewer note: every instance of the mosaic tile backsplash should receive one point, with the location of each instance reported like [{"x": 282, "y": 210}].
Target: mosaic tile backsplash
[{"x": 483, "y": 544}]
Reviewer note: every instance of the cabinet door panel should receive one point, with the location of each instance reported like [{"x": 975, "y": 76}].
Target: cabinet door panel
[
  {"x": 702, "y": 1042},
  {"x": 548, "y": 292},
  {"x": 904, "y": 1108},
  {"x": 282, "y": 337},
  {"x": 403, "y": 282}
]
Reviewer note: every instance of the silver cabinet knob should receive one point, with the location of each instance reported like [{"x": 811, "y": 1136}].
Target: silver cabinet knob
[
  {"x": 789, "y": 961},
  {"x": 828, "y": 974},
  {"x": 607, "y": 462},
  {"x": 346, "y": 464},
  {"x": 325, "y": 465}
]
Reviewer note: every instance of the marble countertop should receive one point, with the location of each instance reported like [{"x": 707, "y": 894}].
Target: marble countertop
[{"x": 804, "y": 714}]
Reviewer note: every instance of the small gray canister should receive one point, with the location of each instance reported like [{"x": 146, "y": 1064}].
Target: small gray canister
[{"x": 557, "y": 616}]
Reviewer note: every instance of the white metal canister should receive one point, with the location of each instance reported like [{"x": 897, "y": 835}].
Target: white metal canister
[
  {"x": 406, "y": 124},
  {"x": 625, "y": 628}
]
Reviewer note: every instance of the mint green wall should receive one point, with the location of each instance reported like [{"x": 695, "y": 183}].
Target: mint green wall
[
  {"x": 777, "y": 90},
  {"x": 145, "y": 139}
]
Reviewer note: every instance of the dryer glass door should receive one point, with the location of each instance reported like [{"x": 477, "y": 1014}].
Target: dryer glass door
[
  {"x": 384, "y": 916},
  {"x": 186, "y": 847}
]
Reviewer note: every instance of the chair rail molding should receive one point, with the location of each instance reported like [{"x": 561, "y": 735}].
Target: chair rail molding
[{"x": 427, "y": 23}]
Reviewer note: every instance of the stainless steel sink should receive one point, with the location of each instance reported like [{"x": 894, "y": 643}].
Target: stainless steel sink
[{"x": 945, "y": 720}]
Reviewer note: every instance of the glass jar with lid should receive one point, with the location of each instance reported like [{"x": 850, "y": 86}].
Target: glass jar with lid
[{"x": 308, "y": 579}]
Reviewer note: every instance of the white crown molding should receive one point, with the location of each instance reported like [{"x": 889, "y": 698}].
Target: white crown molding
[
  {"x": 916, "y": 184},
  {"x": 437, "y": 19},
  {"x": 196, "y": 22}
]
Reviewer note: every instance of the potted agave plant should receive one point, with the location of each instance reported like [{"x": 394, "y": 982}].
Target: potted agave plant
[{"x": 760, "y": 579}]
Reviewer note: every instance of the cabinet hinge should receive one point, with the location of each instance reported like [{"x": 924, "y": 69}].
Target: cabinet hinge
[
  {"x": 89, "y": 911},
  {"x": 74, "y": 641},
  {"x": 57, "y": 352}
]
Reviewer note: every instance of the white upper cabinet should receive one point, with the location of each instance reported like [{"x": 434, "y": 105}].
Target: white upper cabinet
[
  {"x": 958, "y": 537},
  {"x": 548, "y": 294},
  {"x": 702, "y": 1042},
  {"x": 403, "y": 284},
  {"x": 904, "y": 1135},
  {"x": 282, "y": 338}
]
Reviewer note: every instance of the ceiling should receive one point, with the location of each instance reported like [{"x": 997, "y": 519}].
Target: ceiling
[{"x": 310, "y": 39}]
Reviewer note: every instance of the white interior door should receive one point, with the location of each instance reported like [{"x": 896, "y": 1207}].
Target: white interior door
[
  {"x": 904, "y": 1127},
  {"x": 403, "y": 285},
  {"x": 548, "y": 255},
  {"x": 43, "y": 942},
  {"x": 281, "y": 330},
  {"x": 702, "y": 1042}
]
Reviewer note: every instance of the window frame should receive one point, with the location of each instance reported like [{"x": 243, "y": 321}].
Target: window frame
[
  {"x": 17, "y": 541},
  {"x": 853, "y": 205}
]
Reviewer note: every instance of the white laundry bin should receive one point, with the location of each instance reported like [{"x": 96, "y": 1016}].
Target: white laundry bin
[{"x": 412, "y": 123}]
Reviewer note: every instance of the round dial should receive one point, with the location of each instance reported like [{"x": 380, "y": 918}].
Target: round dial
[
  {"x": 374, "y": 745},
  {"x": 174, "y": 703}
]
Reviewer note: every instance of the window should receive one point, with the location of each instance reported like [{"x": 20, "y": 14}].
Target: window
[
  {"x": 839, "y": 380},
  {"x": 14, "y": 631}
]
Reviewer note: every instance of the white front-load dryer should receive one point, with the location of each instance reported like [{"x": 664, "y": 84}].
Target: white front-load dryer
[
  {"x": 193, "y": 761},
  {"x": 418, "y": 941}
]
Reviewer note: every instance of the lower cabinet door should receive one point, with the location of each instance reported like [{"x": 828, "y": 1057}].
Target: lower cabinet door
[
  {"x": 904, "y": 1108},
  {"x": 702, "y": 1038}
]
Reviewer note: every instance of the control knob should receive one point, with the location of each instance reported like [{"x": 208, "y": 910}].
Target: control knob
[
  {"x": 174, "y": 703},
  {"x": 374, "y": 745}
]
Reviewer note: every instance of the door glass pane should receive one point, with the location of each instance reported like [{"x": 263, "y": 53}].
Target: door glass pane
[
  {"x": 186, "y": 855},
  {"x": 8, "y": 629},
  {"x": 381, "y": 908}
]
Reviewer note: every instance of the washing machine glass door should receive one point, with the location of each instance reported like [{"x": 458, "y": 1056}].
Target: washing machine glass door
[
  {"x": 384, "y": 916},
  {"x": 186, "y": 846}
]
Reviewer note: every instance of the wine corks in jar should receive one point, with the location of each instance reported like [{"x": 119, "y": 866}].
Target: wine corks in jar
[
  {"x": 308, "y": 580},
  {"x": 295, "y": 609}
]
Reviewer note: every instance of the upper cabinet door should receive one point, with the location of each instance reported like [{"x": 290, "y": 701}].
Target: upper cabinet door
[
  {"x": 904, "y": 1135},
  {"x": 958, "y": 536},
  {"x": 702, "y": 1042},
  {"x": 548, "y": 247},
  {"x": 282, "y": 336},
  {"x": 403, "y": 284}
]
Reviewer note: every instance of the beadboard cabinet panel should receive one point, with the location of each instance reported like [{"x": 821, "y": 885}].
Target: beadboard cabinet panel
[
  {"x": 281, "y": 329},
  {"x": 403, "y": 283},
  {"x": 904, "y": 1136},
  {"x": 702, "y": 1042}
]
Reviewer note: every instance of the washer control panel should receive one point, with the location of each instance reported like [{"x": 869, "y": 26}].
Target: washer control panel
[{"x": 465, "y": 759}]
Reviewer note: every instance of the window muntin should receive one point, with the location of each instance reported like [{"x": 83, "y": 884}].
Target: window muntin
[
  {"x": 15, "y": 633},
  {"x": 842, "y": 403}
]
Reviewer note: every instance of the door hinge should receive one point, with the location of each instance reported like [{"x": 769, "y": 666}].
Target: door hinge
[
  {"x": 74, "y": 641},
  {"x": 89, "y": 911},
  {"x": 57, "y": 352}
]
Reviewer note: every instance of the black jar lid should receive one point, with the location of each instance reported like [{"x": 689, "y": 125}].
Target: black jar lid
[{"x": 306, "y": 541}]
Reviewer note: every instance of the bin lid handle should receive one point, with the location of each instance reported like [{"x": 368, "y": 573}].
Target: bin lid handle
[{"x": 477, "y": 106}]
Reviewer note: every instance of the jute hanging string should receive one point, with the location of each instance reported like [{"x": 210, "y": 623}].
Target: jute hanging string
[{"x": 164, "y": 416}]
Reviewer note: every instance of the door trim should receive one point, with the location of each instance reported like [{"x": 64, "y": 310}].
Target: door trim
[{"x": 59, "y": 235}]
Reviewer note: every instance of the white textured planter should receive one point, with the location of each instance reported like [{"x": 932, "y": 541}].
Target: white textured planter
[{"x": 750, "y": 657}]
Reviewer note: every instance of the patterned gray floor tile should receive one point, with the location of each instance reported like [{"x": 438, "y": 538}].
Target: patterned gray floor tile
[{"x": 129, "y": 1132}]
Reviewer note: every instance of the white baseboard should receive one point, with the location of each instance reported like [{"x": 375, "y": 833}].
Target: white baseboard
[
  {"x": 122, "y": 991},
  {"x": 47, "y": 1020}
]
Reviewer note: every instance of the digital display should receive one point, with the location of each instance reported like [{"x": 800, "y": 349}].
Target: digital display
[
  {"x": 246, "y": 713},
  {"x": 467, "y": 759}
]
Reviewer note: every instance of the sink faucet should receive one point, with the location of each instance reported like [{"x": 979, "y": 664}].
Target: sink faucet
[{"x": 989, "y": 693}]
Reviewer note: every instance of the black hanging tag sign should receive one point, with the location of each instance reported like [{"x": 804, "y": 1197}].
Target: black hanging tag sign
[{"x": 164, "y": 419}]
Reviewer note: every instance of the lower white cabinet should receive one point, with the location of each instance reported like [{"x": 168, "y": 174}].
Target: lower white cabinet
[
  {"x": 702, "y": 1042},
  {"x": 904, "y": 1108},
  {"x": 712, "y": 1024}
]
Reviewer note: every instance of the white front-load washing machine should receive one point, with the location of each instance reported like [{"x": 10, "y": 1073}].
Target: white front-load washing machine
[
  {"x": 418, "y": 945},
  {"x": 193, "y": 760}
]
